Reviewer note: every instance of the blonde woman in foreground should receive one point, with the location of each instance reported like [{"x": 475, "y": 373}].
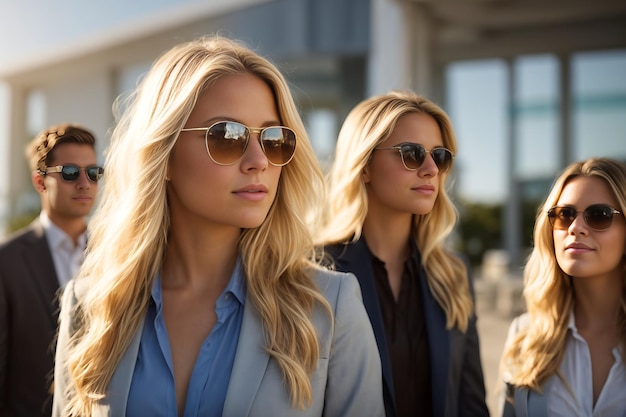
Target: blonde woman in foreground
[
  {"x": 199, "y": 295},
  {"x": 388, "y": 218},
  {"x": 565, "y": 357}
]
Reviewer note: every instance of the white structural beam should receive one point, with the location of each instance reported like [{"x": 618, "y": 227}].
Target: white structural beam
[{"x": 401, "y": 48}]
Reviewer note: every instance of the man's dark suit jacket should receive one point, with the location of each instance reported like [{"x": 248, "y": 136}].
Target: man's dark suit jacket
[
  {"x": 28, "y": 322},
  {"x": 458, "y": 387}
]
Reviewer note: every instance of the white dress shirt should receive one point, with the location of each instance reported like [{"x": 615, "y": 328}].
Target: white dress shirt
[
  {"x": 67, "y": 257},
  {"x": 576, "y": 369}
]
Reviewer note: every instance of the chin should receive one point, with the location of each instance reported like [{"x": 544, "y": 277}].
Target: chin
[{"x": 250, "y": 223}]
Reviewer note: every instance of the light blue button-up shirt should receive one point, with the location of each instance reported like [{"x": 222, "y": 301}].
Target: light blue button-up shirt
[{"x": 152, "y": 392}]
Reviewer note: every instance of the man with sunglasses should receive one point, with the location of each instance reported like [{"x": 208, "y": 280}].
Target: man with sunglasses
[{"x": 40, "y": 259}]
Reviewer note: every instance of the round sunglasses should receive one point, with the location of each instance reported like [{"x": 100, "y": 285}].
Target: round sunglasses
[
  {"x": 413, "y": 155},
  {"x": 226, "y": 142},
  {"x": 598, "y": 217},
  {"x": 71, "y": 173}
]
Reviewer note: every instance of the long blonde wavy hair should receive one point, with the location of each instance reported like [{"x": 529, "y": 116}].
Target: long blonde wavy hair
[
  {"x": 536, "y": 352},
  {"x": 368, "y": 125},
  {"x": 129, "y": 230}
]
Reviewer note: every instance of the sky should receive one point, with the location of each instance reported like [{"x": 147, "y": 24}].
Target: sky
[
  {"x": 476, "y": 102},
  {"x": 40, "y": 24}
]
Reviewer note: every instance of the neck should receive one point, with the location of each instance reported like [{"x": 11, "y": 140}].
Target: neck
[
  {"x": 200, "y": 258},
  {"x": 388, "y": 238},
  {"x": 72, "y": 226},
  {"x": 598, "y": 301}
]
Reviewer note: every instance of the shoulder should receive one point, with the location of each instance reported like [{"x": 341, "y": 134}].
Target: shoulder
[
  {"x": 332, "y": 283},
  {"x": 29, "y": 233},
  {"x": 519, "y": 323},
  {"x": 73, "y": 292}
]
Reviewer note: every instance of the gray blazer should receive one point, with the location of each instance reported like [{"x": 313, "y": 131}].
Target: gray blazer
[
  {"x": 526, "y": 403},
  {"x": 346, "y": 382}
]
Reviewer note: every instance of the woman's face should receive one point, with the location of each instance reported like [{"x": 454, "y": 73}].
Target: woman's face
[
  {"x": 392, "y": 188},
  {"x": 237, "y": 195},
  {"x": 580, "y": 250}
]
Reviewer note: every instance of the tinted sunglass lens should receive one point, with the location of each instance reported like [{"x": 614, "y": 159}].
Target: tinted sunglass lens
[
  {"x": 598, "y": 216},
  {"x": 70, "y": 173},
  {"x": 563, "y": 217},
  {"x": 413, "y": 156},
  {"x": 279, "y": 145},
  {"x": 94, "y": 173},
  {"x": 442, "y": 158},
  {"x": 226, "y": 142}
]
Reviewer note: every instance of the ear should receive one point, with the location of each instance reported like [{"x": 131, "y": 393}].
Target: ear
[
  {"x": 365, "y": 175},
  {"x": 38, "y": 181}
]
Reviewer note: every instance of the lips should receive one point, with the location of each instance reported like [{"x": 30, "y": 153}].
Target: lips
[
  {"x": 83, "y": 197},
  {"x": 425, "y": 188},
  {"x": 577, "y": 245},
  {"x": 253, "y": 188}
]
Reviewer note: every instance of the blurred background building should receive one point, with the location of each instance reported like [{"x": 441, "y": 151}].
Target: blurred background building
[{"x": 531, "y": 85}]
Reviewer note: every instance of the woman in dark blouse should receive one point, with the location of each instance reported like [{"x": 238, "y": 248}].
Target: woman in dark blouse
[{"x": 387, "y": 220}]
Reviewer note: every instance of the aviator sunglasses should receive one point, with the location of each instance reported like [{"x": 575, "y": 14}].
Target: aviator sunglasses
[
  {"x": 226, "y": 142},
  {"x": 413, "y": 156},
  {"x": 71, "y": 173},
  {"x": 597, "y": 216}
]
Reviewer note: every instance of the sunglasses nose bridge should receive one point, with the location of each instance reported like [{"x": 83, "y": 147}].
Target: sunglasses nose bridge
[
  {"x": 427, "y": 160},
  {"x": 257, "y": 142},
  {"x": 82, "y": 179}
]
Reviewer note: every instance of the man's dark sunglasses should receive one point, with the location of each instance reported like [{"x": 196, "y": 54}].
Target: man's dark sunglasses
[{"x": 71, "y": 173}]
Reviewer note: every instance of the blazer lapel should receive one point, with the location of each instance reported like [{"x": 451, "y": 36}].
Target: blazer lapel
[
  {"x": 356, "y": 258},
  {"x": 439, "y": 345},
  {"x": 42, "y": 273},
  {"x": 119, "y": 387},
  {"x": 250, "y": 364}
]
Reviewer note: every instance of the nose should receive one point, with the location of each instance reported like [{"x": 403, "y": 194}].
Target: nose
[
  {"x": 578, "y": 226},
  {"x": 83, "y": 181},
  {"x": 254, "y": 158},
  {"x": 428, "y": 168}
]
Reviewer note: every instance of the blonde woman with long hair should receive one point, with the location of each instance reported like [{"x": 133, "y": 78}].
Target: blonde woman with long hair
[
  {"x": 565, "y": 356},
  {"x": 199, "y": 295},
  {"x": 387, "y": 222}
]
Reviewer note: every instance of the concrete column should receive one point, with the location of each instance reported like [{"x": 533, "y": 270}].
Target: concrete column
[
  {"x": 423, "y": 35},
  {"x": 565, "y": 111},
  {"x": 390, "y": 61},
  {"x": 401, "y": 54},
  {"x": 512, "y": 220},
  {"x": 17, "y": 165}
]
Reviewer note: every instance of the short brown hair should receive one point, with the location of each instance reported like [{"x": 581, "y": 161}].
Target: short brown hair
[{"x": 40, "y": 150}]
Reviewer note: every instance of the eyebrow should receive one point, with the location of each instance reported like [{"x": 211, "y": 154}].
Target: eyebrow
[{"x": 217, "y": 119}]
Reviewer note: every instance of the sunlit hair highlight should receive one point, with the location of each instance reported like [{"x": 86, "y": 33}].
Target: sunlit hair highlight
[
  {"x": 536, "y": 352},
  {"x": 129, "y": 230},
  {"x": 368, "y": 125}
]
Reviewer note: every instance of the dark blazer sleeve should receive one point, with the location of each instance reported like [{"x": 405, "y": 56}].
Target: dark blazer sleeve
[
  {"x": 472, "y": 384},
  {"x": 28, "y": 286}
]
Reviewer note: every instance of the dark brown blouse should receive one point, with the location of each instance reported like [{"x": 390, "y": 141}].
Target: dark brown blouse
[{"x": 407, "y": 338}]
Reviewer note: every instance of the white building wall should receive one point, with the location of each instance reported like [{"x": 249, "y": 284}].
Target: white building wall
[{"x": 86, "y": 101}]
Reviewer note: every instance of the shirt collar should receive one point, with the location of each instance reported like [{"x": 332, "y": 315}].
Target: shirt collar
[
  {"x": 57, "y": 237},
  {"x": 571, "y": 324}
]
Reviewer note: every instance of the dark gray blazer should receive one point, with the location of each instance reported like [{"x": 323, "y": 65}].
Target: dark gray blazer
[
  {"x": 458, "y": 387},
  {"x": 28, "y": 317},
  {"x": 346, "y": 382},
  {"x": 526, "y": 402}
]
